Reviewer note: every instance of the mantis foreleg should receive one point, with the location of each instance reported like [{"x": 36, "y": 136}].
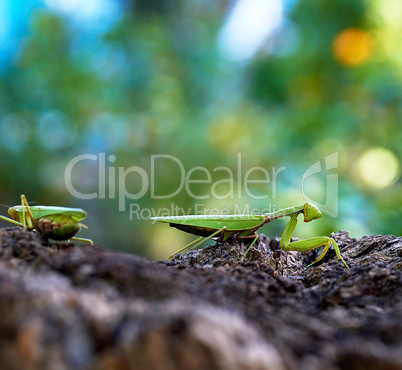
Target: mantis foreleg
[
  {"x": 307, "y": 244},
  {"x": 23, "y": 211},
  {"x": 25, "y": 222},
  {"x": 29, "y": 221}
]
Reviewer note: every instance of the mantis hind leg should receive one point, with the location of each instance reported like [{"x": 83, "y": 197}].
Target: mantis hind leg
[
  {"x": 10, "y": 220},
  {"x": 89, "y": 241},
  {"x": 221, "y": 237},
  {"x": 195, "y": 243},
  {"x": 255, "y": 237}
]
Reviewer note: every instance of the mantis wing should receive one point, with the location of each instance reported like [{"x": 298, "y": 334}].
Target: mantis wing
[
  {"x": 214, "y": 222},
  {"x": 76, "y": 214}
]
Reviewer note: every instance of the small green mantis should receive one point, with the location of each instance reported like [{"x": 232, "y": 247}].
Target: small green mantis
[
  {"x": 245, "y": 227},
  {"x": 58, "y": 223}
]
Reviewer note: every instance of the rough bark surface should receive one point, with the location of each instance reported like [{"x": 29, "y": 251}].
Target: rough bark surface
[{"x": 67, "y": 307}]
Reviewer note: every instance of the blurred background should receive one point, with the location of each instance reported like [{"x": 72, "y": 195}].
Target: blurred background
[{"x": 277, "y": 83}]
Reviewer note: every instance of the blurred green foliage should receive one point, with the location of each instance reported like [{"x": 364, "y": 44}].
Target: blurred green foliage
[{"x": 156, "y": 82}]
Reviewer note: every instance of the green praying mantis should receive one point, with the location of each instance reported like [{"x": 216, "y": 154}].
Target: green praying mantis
[
  {"x": 58, "y": 223},
  {"x": 245, "y": 227}
]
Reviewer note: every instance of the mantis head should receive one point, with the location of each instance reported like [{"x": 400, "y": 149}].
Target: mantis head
[
  {"x": 311, "y": 212},
  {"x": 12, "y": 211}
]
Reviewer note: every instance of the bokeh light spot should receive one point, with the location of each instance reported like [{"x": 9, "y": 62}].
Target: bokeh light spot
[
  {"x": 107, "y": 131},
  {"x": 228, "y": 128},
  {"x": 96, "y": 14},
  {"x": 391, "y": 11},
  {"x": 13, "y": 133},
  {"x": 352, "y": 47},
  {"x": 54, "y": 132},
  {"x": 248, "y": 26},
  {"x": 378, "y": 167}
]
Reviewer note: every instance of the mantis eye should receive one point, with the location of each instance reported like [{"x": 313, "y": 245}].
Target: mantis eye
[{"x": 311, "y": 212}]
